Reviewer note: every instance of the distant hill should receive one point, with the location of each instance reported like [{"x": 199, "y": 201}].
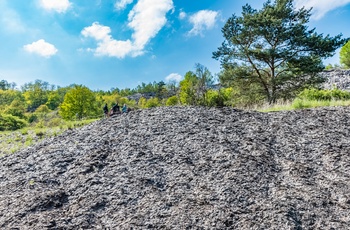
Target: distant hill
[{"x": 185, "y": 168}]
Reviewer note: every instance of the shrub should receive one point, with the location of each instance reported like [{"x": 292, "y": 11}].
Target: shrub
[
  {"x": 42, "y": 109},
  {"x": 54, "y": 122},
  {"x": 9, "y": 122},
  {"x": 324, "y": 95},
  {"x": 32, "y": 118},
  {"x": 152, "y": 102},
  {"x": 171, "y": 101}
]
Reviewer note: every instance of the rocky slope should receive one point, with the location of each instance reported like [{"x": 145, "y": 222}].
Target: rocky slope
[
  {"x": 337, "y": 78},
  {"x": 185, "y": 168}
]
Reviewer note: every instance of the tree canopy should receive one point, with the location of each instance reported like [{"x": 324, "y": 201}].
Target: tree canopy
[
  {"x": 78, "y": 102},
  {"x": 345, "y": 55},
  {"x": 194, "y": 87},
  {"x": 274, "y": 50}
]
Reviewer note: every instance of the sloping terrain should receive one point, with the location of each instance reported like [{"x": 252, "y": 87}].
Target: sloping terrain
[{"x": 185, "y": 168}]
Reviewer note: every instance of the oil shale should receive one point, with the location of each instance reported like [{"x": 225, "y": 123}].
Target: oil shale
[{"x": 185, "y": 168}]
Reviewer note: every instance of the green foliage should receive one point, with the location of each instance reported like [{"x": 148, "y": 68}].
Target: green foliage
[
  {"x": 218, "y": 97},
  {"x": 9, "y": 122},
  {"x": 4, "y": 85},
  {"x": 16, "y": 108},
  {"x": 129, "y": 103},
  {"x": 24, "y": 131},
  {"x": 152, "y": 102},
  {"x": 274, "y": 50},
  {"x": 54, "y": 122},
  {"x": 42, "y": 109},
  {"x": 79, "y": 102},
  {"x": 328, "y": 67},
  {"x": 8, "y": 96},
  {"x": 32, "y": 118},
  {"x": 142, "y": 102},
  {"x": 194, "y": 87},
  {"x": 324, "y": 95},
  {"x": 56, "y": 97},
  {"x": 172, "y": 101},
  {"x": 36, "y": 94},
  {"x": 188, "y": 90},
  {"x": 345, "y": 55}
]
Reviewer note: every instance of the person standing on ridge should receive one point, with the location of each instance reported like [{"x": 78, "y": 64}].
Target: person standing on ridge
[
  {"x": 115, "y": 109},
  {"x": 124, "y": 109},
  {"x": 105, "y": 110}
]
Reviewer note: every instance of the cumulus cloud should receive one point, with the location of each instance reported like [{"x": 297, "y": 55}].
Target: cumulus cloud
[
  {"x": 41, "y": 48},
  {"x": 121, "y": 4},
  {"x": 320, "y": 7},
  {"x": 173, "y": 77},
  {"x": 146, "y": 19},
  {"x": 202, "y": 20},
  {"x": 106, "y": 45},
  {"x": 60, "y": 6}
]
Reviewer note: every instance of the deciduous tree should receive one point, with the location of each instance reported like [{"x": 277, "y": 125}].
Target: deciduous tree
[
  {"x": 79, "y": 102},
  {"x": 345, "y": 55}
]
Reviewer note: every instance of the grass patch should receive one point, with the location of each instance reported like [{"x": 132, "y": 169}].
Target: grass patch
[
  {"x": 302, "y": 104},
  {"x": 13, "y": 141}
]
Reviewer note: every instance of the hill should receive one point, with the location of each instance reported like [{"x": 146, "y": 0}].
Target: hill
[{"x": 184, "y": 168}]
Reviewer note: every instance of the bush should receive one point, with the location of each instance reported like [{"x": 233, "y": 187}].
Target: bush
[
  {"x": 324, "y": 95},
  {"x": 54, "y": 122},
  {"x": 152, "y": 102},
  {"x": 9, "y": 122},
  {"x": 32, "y": 118},
  {"x": 218, "y": 98},
  {"x": 171, "y": 101}
]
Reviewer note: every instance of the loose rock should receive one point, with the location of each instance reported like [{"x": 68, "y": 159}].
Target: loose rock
[{"x": 185, "y": 167}]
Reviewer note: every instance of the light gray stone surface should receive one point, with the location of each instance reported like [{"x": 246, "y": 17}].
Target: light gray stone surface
[
  {"x": 185, "y": 168},
  {"x": 337, "y": 78}
]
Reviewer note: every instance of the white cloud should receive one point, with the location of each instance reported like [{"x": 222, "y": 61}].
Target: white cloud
[
  {"x": 41, "y": 48},
  {"x": 121, "y": 4},
  {"x": 106, "y": 45},
  {"x": 97, "y": 31},
  {"x": 320, "y": 7},
  {"x": 60, "y": 6},
  {"x": 202, "y": 20},
  {"x": 173, "y": 77},
  {"x": 146, "y": 19},
  {"x": 182, "y": 15}
]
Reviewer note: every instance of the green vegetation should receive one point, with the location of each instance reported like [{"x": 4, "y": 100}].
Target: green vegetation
[
  {"x": 272, "y": 52},
  {"x": 9, "y": 122},
  {"x": 12, "y": 141},
  {"x": 79, "y": 102},
  {"x": 311, "y": 98},
  {"x": 345, "y": 55}
]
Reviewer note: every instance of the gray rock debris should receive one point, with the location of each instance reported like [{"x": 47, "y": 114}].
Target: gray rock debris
[
  {"x": 185, "y": 167},
  {"x": 337, "y": 78}
]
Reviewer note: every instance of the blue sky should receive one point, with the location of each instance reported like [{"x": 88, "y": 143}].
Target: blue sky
[{"x": 104, "y": 44}]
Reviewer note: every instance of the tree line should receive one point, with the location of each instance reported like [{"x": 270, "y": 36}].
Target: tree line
[{"x": 267, "y": 55}]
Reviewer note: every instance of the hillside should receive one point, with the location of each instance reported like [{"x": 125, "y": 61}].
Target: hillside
[{"x": 185, "y": 167}]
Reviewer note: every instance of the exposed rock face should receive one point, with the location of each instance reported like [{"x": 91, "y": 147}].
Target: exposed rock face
[
  {"x": 337, "y": 78},
  {"x": 185, "y": 167}
]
